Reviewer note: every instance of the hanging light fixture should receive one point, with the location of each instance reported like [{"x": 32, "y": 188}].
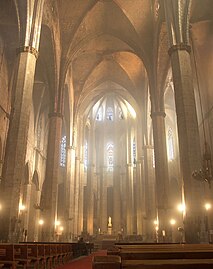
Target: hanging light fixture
[{"x": 205, "y": 173}]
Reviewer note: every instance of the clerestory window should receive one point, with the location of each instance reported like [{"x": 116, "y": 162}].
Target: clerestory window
[
  {"x": 63, "y": 151},
  {"x": 110, "y": 152},
  {"x": 109, "y": 114}
]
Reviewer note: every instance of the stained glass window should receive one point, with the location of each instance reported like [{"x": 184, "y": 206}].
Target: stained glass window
[
  {"x": 153, "y": 158},
  {"x": 99, "y": 115},
  {"x": 110, "y": 157},
  {"x": 170, "y": 145},
  {"x": 121, "y": 116},
  {"x": 85, "y": 156},
  {"x": 109, "y": 114},
  {"x": 39, "y": 128},
  {"x": 134, "y": 151},
  {"x": 63, "y": 151}
]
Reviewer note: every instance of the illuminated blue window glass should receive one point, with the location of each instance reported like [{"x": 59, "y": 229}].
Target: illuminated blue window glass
[{"x": 63, "y": 151}]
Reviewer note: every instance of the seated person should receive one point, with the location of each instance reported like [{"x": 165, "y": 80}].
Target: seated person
[{"x": 83, "y": 246}]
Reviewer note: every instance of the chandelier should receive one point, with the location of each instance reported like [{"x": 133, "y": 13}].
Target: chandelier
[{"x": 205, "y": 173}]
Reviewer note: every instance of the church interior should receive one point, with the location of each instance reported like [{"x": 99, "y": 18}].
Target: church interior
[{"x": 106, "y": 120}]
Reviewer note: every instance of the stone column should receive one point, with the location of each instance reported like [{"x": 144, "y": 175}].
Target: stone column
[
  {"x": 27, "y": 190},
  {"x": 116, "y": 220},
  {"x": 76, "y": 196},
  {"x": 103, "y": 200},
  {"x": 50, "y": 186},
  {"x": 90, "y": 181},
  {"x": 98, "y": 197},
  {"x": 90, "y": 198},
  {"x": 67, "y": 194},
  {"x": 189, "y": 147},
  {"x": 177, "y": 18},
  {"x": 13, "y": 169},
  {"x": 139, "y": 200},
  {"x": 81, "y": 198},
  {"x": 161, "y": 172},
  {"x": 129, "y": 193},
  {"x": 150, "y": 201},
  {"x": 70, "y": 190}
]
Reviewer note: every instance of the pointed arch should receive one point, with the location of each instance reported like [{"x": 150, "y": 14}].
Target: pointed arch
[
  {"x": 35, "y": 180},
  {"x": 63, "y": 155},
  {"x": 110, "y": 157},
  {"x": 109, "y": 113},
  {"x": 170, "y": 144}
]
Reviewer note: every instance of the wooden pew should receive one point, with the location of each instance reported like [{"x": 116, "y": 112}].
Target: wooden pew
[
  {"x": 7, "y": 256},
  {"x": 168, "y": 264},
  {"x": 21, "y": 255},
  {"x": 166, "y": 256},
  {"x": 67, "y": 253},
  {"x": 36, "y": 255},
  {"x": 106, "y": 262},
  {"x": 51, "y": 254}
]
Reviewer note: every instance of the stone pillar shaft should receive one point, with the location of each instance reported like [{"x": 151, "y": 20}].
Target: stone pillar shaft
[
  {"x": 139, "y": 201},
  {"x": 130, "y": 205},
  {"x": 76, "y": 192},
  {"x": 69, "y": 190},
  {"x": 150, "y": 197},
  {"x": 189, "y": 146},
  {"x": 161, "y": 170},
  {"x": 90, "y": 182},
  {"x": 81, "y": 197},
  {"x": 103, "y": 201},
  {"x": 116, "y": 220},
  {"x": 14, "y": 165},
  {"x": 50, "y": 185},
  {"x": 90, "y": 199}
]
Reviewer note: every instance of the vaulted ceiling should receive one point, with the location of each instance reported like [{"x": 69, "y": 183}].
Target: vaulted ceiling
[{"x": 109, "y": 45}]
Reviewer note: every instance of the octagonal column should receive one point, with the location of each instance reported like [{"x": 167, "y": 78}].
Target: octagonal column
[
  {"x": 161, "y": 173},
  {"x": 50, "y": 186},
  {"x": 188, "y": 134},
  {"x": 14, "y": 165}
]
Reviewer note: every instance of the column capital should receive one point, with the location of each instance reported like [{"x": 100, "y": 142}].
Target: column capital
[
  {"x": 180, "y": 46},
  {"x": 71, "y": 147},
  {"x": 55, "y": 114},
  {"x": 148, "y": 147},
  {"x": 141, "y": 158},
  {"x": 28, "y": 49},
  {"x": 158, "y": 113}
]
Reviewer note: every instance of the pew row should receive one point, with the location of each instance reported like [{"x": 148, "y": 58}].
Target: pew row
[
  {"x": 164, "y": 255},
  {"x": 106, "y": 262},
  {"x": 168, "y": 264},
  {"x": 35, "y": 255}
]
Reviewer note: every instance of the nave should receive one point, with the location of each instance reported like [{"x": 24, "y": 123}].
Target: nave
[{"x": 106, "y": 120}]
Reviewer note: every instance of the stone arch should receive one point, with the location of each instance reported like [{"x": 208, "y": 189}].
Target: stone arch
[{"x": 35, "y": 180}]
